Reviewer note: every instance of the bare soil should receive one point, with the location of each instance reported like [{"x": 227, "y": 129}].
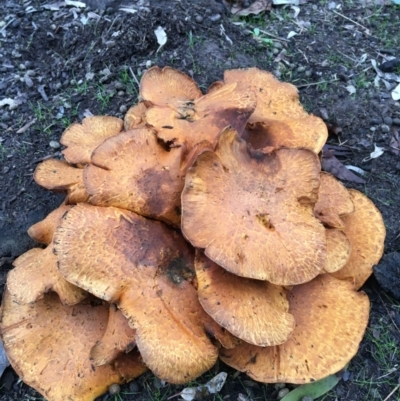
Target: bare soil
[{"x": 57, "y": 65}]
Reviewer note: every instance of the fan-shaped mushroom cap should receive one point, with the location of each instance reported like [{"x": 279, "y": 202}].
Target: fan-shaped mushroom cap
[
  {"x": 82, "y": 139},
  {"x": 253, "y": 212},
  {"x": 144, "y": 267},
  {"x": 135, "y": 116},
  {"x": 118, "y": 338},
  {"x": 48, "y": 346},
  {"x": 334, "y": 202},
  {"x": 36, "y": 273},
  {"x": 255, "y": 311},
  {"x": 60, "y": 176},
  {"x": 167, "y": 86},
  {"x": 43, "y": 230},
  {"x": 277, "y": 103},
  {"x": 204, "y": 118},
  {"x": 330, "y": 322},
  {"x": 338, "y": 250},
  {"x": 134, "y": 172},
  {"x": 366, "y": 232}
]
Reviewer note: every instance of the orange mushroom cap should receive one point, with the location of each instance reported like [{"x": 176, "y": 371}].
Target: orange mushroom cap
[
  {"x": 134, "y": 172},
  {"x": 366, "y": 232},
  {"x": 203, "y": 119},
  {"x": 60, "y": 176},
  {"x": 144, "y": 267},
  {"x": 253, "y": 212},
  {"x": 338, "y": 250},
  {"x": 135, "y": 116},
  {"x": 334, "y": 202},
  {"x": 82, "y": 139},
  {"x": 48, "y": 346},
  {"x": 118, "y": 338},
  {"x": 43, "y": 231},
  {"x": 330, "y": 322},
  {"x": 277, "y": 104},
  {"x": 36, "y": 273},
  {"x": 254, "y": 311},
  {"x": 167, "y": 86}
]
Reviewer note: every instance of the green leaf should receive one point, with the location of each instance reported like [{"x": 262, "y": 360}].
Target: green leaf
[
  {"x": 256, "y": 32},
  {"x": 313, "y": 390}
]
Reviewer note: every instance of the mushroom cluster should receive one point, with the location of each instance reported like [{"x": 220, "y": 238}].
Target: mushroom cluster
[{"x": 199, "y": 227}]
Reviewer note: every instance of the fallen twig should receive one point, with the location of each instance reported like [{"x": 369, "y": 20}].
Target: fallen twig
[
  {"x": 317, "y": 83},
  {"x": 134, "y": 76},
  {"x": 355, "y": 22}
]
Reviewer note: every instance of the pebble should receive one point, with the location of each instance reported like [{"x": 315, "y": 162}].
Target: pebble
[
  {"x": 301, "y": 68},
  {"x": 385, "y": 128},
  {"x": 372, "y": 129},
  {"x": 114, "y": 389},
  {"x": 279, "y": 386},
  {"x": 54, "y": 144},
  {"x": 396, "y": 121},
  {"x": 275, "y": 51},
  {"x": 123, "y": 109},
  {"x": 388, "y": 120},
  {"x": 282, "y": 393},
  {"x": 5, "y": 117},
  {"x": 278, "y": 45},
  {"x": 375, "y": 121},
  {"x": 199, "y": 19},
  {"x": 308, "y": 73},
  {"x": 215, "y": 17}
]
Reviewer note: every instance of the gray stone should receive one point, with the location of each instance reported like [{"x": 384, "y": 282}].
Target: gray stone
[
  {"x": 396, "y": 121},
  {"x": 123, "y": 109},
  {"x": 199, "y": 19},
  {"x": 214, "y": 17},
  {"x": 54, "y": 144},
  {"x": 387, "y": 273},
  {"x": 282, "y": 393},
  {"x": 278, "y": 45},
  {"x": 388, "y": 120},
  {"x": 114, "y": 389},
  {"x": 385, "y": 128}
]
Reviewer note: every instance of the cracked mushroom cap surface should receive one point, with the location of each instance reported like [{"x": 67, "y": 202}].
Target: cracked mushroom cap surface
[
  {"x": 334, "y": 202},
  {"x": 252, "y": 310},
  {"x": 278, "y": 103},
  {"x": 331, "y": 319},
  {"x": 35, "y": 273},
  {"x": 203, "y": 119},
  {"x": 145, "y": 268},
  {"x": 135, "y": 116},
  {"x": 48, "y": 346},
  {"x": 60, "y": 176},
  {"x": 81, "y": 139},
  {"x": 366, "y": 232},
  {"x": 134, "y": 172},
  {"x": 252, "y": 212},
  {"x": 43, "y": 231},
  {"x": 167, "y": 87},
  {"x": 338, "y": 250}
]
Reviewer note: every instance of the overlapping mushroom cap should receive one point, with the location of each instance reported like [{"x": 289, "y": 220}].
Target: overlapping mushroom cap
[{"x": 253, "y": 212}]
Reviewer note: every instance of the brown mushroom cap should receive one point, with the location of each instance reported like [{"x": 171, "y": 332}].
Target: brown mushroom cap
[
  {"x": 43, "y": 230},
  {"x": 36, "y": 273},
  {"x": 366, "y": 232},
  {"x": 118, "y": 338},
  {"x": 254, "y": 311},
  {"x": 204, "y": 118},
  {"x": 253, "y": 212},
  {"x": 338, "y": 250},
  {"x": 330, "y": 322},
  {"x": 334, "y": 202},
  {"x": 48, "y": 346},
  {"x": 143, "y": 267},
  {"x": 167, "y": 86},
  {"x": 60, "y": 176},
  {"x": 278, "y": 102},
  {"x": 135, "y": 116},
  {"x": 82, "y": 139},
  {"x": 134, "y": 172}
]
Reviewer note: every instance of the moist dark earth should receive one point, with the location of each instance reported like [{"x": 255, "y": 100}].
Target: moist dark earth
[{"x": 58, "y": 65}]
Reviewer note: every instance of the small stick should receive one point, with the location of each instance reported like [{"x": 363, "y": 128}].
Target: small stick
[
  {"x": 355, "y": 22},
  {"x": 392, "y": 392},
  {"x": 134, "y": 76},
  {"x": 270, "y": 34},
  {"x": 317, "y": 83}
]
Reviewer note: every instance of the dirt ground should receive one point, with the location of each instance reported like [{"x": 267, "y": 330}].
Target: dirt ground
[{"x": 56, "y": 65}]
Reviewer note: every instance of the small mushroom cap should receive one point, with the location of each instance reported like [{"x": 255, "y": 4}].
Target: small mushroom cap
[
  {"x": 82, "y": 139},
  {"x": 150, "y": 186},
  {"x": 35, "y": 273},
  {"x": 203, "y": 119},
  {"x": 48, "y": 346},
  {"x": 279, "y": 102},
  {"x": 330, "y": 322},
  {"x": 254, "y": 311},
  {"x": 338, "y": 250},
  {"x": 253, "y": 212},
  {"x": 118, "y": 338},
  {"x": 60, "y": 176},
  {"x": 167, "y": 86},
  {"x": 135, "y": 116},
  {"x": 43, "y": 231},
  {"x": 145, "y": 268},
  {"x": 334, "y": 202},
  {"x": 366, "y": 232}
]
